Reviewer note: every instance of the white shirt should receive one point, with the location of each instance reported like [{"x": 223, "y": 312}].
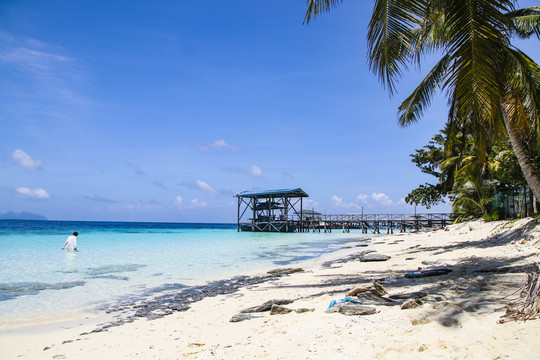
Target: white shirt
[{"x": 71, "y": 243}]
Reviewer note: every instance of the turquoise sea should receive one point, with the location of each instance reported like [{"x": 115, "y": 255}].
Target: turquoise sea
[{"x": 116, "y": 261}]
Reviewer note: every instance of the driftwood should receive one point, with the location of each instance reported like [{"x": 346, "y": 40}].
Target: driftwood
[{"x": 527, "y": 305}]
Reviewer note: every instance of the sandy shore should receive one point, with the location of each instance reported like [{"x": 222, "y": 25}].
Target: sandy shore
[{"x": 456, "y": 317}]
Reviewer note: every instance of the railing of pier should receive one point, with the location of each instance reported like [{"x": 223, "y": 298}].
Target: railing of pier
[{"x": 374, "y": 222}]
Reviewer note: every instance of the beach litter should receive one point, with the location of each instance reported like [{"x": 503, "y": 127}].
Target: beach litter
[
  {"x": 427, "y": 273},
  {"x": 374, "y": 288},
  {"x": 350, "y": 307},
  {"x": 347, "y": 299}
]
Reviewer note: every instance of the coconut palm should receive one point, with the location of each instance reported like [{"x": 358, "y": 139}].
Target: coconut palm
[{"x": 489, "y": 82}]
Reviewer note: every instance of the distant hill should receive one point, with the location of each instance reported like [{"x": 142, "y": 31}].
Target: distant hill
[{"x": 10, "y": 215}]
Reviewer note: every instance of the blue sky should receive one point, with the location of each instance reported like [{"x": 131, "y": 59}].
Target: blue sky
[{"x": 162, "y": 111}]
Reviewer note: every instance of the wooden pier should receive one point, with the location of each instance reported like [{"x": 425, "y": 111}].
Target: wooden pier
[
  {"x": 282, "y": 211},
  {"x": 374, "y": 223}
]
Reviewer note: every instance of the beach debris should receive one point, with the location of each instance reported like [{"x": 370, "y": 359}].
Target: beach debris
[
  {"x": 279, "y": 310},
  {"x": 347, "y": 299},
  {"x": 426, "y": 273},
  {"x": 372, "y": 294},
  {"x": 374, "y": 257},
  {"x": 527, "y": 305},
  {"x": 413, "y": 295},
  {"x": 285, "y": 271},
  {"x": 303, "y": 310},
  {"x": 267, "y": 306},
  {"x": 243, "y": 317},
  {"x": 369, "y": 298},
  {"x": 274, "y": 306},
  {"x": 411, "y": 304},
  {"x": 351, "y": 309},
  {"x": 374, "y": 288}
]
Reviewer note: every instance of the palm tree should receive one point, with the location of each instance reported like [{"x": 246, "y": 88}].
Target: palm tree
[{"x": 489, "y": 82}]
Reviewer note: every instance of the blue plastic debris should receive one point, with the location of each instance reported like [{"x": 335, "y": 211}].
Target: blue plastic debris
[{"x": 347, "y": 299}]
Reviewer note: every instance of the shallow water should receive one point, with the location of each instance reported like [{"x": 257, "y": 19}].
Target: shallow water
[{"x": 116, "y": 261}]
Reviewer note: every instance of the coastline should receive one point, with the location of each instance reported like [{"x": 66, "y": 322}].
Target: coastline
[{"x": 457, "y": 317}]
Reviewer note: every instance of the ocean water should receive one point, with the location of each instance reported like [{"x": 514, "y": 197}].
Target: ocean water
[{"x": 119, "y": 261}]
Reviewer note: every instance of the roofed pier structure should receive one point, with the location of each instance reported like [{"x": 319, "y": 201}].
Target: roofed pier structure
[{"x": 271, "y": 210}]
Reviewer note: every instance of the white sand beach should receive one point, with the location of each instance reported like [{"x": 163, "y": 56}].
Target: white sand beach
[{"x": 457, "y": 316}]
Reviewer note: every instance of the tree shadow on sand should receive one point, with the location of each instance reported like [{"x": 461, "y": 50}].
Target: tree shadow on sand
[
  {"x": 475, "y": 285},
  {"x": 504, "y": 237}
]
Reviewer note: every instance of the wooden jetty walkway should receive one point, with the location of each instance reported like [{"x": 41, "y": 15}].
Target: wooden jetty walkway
[
  {"x": 282, "y": 211},
  {"x": 373, "y": 222}
]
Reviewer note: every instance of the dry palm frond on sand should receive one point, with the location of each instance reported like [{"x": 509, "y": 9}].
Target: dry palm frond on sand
[{"x": 527, "y": 305}]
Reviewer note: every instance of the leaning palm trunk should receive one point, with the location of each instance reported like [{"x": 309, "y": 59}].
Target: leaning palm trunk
[{"x": 529, "y": 172}]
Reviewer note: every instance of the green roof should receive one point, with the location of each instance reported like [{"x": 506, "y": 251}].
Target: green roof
[{"x": 274, "y": 193}]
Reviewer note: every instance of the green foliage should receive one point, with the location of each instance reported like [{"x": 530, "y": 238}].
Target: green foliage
[
  {"x": 426, "y": 195},
  {"x": 505, "y": 164},
  {"x": 496, "y": 213}
]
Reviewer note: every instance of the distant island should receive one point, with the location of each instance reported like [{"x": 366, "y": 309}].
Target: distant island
[{"x": 10, "y": 215}]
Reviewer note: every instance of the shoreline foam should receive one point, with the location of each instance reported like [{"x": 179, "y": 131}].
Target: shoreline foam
[{"x": 458, "y": 317}]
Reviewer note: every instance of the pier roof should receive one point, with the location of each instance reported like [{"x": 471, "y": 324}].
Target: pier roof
[{"x": 274, "y": 193}]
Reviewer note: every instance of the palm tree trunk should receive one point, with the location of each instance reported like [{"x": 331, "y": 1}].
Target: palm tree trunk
[{"x": 531, "y": 176}]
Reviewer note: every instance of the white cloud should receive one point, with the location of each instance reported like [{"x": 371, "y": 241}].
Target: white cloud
[
  {"x": 382, "y": 199},
  {"x": 31, "y": 57},
  {"x": 310, "y": 204},
  {"x": 178, "y": 202},
  {"x": 255, "y": 171},
  {"x": 339, "y": 203},
  {"x": 362, "y": 198},
  {"x": 216, "y": 145},
  {"x": 37, "y": 193},
  {"x": 56, "y": 76},
  {"x": 203, "y": 186},
  {"x": 198, "y": 203},
  {"x": 26, "y": 161}
]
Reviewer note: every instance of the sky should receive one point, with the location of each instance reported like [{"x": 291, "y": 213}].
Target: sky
[{"x": 164, "y": 110}]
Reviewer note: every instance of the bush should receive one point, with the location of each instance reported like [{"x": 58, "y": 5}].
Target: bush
[{"x": 497, "y": 213}]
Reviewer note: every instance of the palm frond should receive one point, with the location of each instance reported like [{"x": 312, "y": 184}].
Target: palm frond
[
  {"x": 413, "y": 107},
  {"x": 391, "y": 37},
  {"x": 475, "y": 46},
  {"x": 526, "y": 21},
  {"x": 522, "y": 90},
  {"x": 314, "y": 7}
]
